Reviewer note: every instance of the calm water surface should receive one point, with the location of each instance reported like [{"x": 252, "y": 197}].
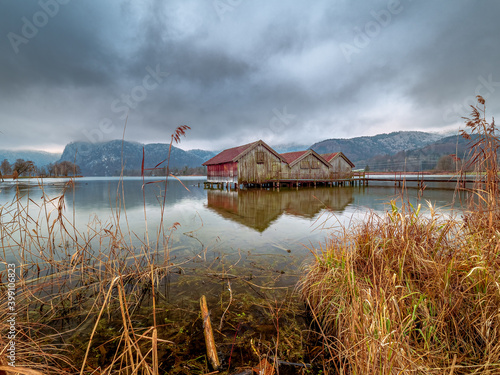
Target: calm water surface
[
  {"x": 254, "y": 222},
  {"x": 245, "y": 251}
]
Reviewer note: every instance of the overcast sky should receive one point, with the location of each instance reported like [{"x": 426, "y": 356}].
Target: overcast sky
[{"x": 239, "y": 70}]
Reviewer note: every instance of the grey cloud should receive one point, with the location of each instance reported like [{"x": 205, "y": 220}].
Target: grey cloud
[{"x": 227, "y": 77}]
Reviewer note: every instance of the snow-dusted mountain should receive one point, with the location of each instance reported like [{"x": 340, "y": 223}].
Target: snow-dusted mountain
[
  {"x": 360, "y": 149},
  {"x": 105, "y": 158}
]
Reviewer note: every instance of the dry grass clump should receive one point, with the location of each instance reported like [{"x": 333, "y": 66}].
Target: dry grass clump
[
  {"x": 407, "y": 293},
  {"x": 410, "y": 293},
  {"x": 67, "y": 285}
]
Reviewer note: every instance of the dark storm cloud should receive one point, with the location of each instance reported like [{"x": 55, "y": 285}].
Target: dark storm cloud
[
  {"x": 70, "y": 49},
  {"x": 237, "y": 70}
]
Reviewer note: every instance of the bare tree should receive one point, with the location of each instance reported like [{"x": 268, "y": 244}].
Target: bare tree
[
  {"x": 64, "y": 168},
  {"x": 24, "y": 167},
  {"x": 21, "y": 166},
  {"x": 50, "y": 169},
  {"x": 5, "y": 167}
]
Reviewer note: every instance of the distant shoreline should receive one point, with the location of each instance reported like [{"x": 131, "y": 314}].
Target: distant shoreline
[
  {"x": 416, "y": 173},
  {"x": 9, "y": 177}
]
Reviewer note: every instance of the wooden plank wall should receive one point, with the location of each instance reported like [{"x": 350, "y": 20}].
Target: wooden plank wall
[
  {"x": 254, "y": 171},
  {"x": 304, "y": 170},
  {"x": 341, "y": 168},
  {"x": 260, "y": 165}
]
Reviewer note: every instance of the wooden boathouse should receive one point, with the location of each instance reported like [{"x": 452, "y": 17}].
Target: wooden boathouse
[
  {"x": 253, "y": 164},
  {"x": 257, "y": 164}
]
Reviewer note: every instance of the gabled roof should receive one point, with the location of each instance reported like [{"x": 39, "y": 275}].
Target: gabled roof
[
  {"x": 290, "y": 157},
  {"x": 334, "y": 155},
  {"x": 235, "y": 153},
  {"x": 293, "y": 158},
  {"x": 330, "y": 156}
]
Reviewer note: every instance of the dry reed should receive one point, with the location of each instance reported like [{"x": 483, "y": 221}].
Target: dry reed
[
  {"x": 81, "y": 281},
  {"x": 407, "y": 293}
]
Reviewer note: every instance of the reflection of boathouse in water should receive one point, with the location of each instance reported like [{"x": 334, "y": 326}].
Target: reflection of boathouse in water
[
  {"x": 257, "y": 164},
  {"x": 258, "y": 209}
]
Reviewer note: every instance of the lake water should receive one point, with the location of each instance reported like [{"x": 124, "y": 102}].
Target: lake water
[
  {"x": 244, "y": 250},
  {"x": 268, "y": 227}
]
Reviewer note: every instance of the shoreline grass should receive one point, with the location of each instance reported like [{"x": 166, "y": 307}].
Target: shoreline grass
[{"x": 403, "y": 293}]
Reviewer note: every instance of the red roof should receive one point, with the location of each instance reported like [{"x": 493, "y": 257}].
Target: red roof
[
  {"x": 329, "y": 157},
  {"x": 290, "y": 157},
  {"x": 229, "y": 155}
]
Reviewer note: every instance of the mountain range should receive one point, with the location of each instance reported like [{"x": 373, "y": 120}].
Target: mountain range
[
  {"x": 105, "y": 158},
  {"x": 39, "y": 158},
  {"x": 424, "y": 158},
  {"x": 393, "y": 151},
  {"x": 361, "y": 149}
]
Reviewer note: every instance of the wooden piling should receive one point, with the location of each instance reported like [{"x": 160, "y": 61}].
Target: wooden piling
[{"x": 209, "y": 336}]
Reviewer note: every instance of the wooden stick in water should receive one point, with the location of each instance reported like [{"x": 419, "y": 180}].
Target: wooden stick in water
[{"x": 209, "y": 336}]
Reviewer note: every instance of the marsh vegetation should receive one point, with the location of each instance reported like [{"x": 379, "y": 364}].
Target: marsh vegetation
[
  {"x": 404, "y": 289},
  {"x": 408, "y": 293}
]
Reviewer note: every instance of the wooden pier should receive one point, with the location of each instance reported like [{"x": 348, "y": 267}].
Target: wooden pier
[
  {"x": 421, "y": 179},
  {"x": 356, "y": 179},
  {"x": 399, "y": 179},
  {"x": 287, "y": 183}
]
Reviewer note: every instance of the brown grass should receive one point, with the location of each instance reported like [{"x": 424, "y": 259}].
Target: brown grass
[{"x": 404, "y": 292}]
